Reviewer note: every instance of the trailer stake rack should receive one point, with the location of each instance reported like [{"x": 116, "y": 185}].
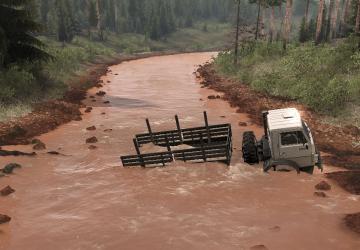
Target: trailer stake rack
[{"x": 210, "y": 143}]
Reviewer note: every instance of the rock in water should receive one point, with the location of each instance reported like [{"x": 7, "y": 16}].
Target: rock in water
[
  {"x": 211, "y": 97},
  {"x": 320, "y": 194},
  {"x": 4, "y": 219},
  {"x": 324, "y": 186},
  {"x": 39, "y": 146},
  {"x": 8, "y": 169},
  {"x": 92, "y": 128},
  {"x": 53, "y": 153},
  {"x": 7, "y": 191},
  {"x": 242, "y": 124},
  {"x": 259, "y": 247},
  {"x": 88, "y": 109},
  {"x": 92, "y": 140},
  {"x": 92, "y": 147},
  {"x": 101, "y": 93},
  {"x": 106, "y": 102}
]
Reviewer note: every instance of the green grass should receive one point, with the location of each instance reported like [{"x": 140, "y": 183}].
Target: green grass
[
  {"x": 326, "y": 78},
  {"x": 28, "y": 83}
]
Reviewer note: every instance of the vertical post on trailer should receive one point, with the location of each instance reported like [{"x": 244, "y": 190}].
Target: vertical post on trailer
[
  {"x": 138, "y": 152},
  {"x": 202, "y": 147},
  {"x": 150, "y": 131},
  {"x": 178, "y": 128},
  {"x": 207, "y": 127}
]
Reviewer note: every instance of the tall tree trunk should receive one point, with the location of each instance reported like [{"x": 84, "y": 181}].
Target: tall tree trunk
[
  {"x": 328, "y": 23},
  {"x": 334, "y": 17},
  {"x": 357, "y": 24},
  {"x": 237, "y": 33},
  {"x": 319, "y": 21},
  {"x": 258, "y": 20},
  {"x": 272, "y": 21},
  {"x": 281, "y": 17},
  {"x": 116, "y": 17},
  {"x": 287, "y": 23},
  {"x": 99, "y": 18},
  {"x": 344, "y": 15},
  {"x": 262, "y": 22},
  {"x": 307, "y": 13}
]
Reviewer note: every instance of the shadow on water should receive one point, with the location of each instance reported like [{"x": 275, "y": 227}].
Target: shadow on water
[{"x": 121, "y": 102}]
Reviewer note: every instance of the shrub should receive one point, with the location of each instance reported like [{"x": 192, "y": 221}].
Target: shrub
[{"x": 325, "y": 78}]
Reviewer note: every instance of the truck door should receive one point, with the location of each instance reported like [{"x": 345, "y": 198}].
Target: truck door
[{"x": 295, "y": 146}]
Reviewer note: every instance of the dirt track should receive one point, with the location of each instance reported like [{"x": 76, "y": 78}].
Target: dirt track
[{"x": 83, "y": 199}]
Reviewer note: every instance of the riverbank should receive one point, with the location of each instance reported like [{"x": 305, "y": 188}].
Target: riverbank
[{"x": 48, "y": 115}]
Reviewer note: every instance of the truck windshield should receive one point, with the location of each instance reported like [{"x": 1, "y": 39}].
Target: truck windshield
[{"x": 293, "y": 138}]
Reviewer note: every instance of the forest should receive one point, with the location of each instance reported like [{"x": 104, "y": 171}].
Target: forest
[{"x": 285, "y": 47}]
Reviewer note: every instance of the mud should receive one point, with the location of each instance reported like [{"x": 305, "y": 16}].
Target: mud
[
  {"x": 349, "y": 180},
  {"x": 87, "y": 200}
]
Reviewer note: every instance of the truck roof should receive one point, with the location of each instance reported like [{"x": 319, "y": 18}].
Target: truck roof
[{"x": 281, "y": 119}]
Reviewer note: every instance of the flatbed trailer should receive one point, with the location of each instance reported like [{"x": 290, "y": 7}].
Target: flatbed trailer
[{"x": 209, "y": 143}]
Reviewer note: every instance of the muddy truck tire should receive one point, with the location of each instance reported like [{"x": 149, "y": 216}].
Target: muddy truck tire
[{"x": 249, "y": 148}]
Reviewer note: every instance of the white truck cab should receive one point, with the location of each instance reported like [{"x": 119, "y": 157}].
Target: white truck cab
[{"x": 287, "y": 141}]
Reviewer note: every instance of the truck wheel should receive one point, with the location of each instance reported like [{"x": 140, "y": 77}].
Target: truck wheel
[
  {"x": 249, "y": 148},
  {"x": 309, "y": 170}
]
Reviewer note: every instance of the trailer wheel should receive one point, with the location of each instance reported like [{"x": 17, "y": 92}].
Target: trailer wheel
[{"x": 249, "y": 148}]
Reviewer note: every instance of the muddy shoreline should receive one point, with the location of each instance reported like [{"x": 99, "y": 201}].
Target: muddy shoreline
[{"x": 48, "y": 115}]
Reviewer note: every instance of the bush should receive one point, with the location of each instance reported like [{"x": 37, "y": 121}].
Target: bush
[{"x": 325, "y": 78}]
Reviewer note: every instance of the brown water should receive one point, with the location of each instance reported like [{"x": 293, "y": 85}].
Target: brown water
[{"x": 86, "y": 200}]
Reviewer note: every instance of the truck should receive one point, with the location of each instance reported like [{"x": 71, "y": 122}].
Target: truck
[{"x": 287, "y": 141}]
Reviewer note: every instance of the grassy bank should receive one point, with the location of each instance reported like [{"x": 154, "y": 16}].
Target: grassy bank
[
  {"x": 326, "y": 78},
  {"x": 28, "y": 83}
]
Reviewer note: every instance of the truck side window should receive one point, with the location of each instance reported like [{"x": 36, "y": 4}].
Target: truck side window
[{"x": 293, "y": 138}]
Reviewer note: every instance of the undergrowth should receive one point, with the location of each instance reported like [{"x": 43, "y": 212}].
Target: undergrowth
[{"x": 325, "y": 77}]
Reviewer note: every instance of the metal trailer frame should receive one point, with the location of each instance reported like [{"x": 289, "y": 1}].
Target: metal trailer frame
[{"x": 210, "y": 143}]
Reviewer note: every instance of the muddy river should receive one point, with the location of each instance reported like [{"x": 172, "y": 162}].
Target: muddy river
[{"x": 85, "y": 199}]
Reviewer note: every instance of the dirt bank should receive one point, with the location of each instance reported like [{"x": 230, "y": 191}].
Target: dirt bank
[
  {"x": 46, "y": 116},
  {"x": 337, "y": 142}
]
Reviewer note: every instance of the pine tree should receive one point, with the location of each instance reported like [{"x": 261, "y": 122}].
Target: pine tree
[{"x": 16, "y": 28}]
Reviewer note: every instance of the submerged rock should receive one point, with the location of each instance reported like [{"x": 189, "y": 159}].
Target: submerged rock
[
  {"x": 9, "y": 168},
  {"x": 88, "y": 109},
  {"x": 106, "y": 102},
  {"x": 320, "y": 194},
  {"x": 4, "y": 218},
  {"x": 6, "y": 191},
  {"x": 243, "y": 124},
  {"x": 101, "y": 93},
  {"x": 92, "y": 147},
  {"x": 259, "y": 247},
  {"x": 108, "y": 130},
  {"x": 92, "y": 128},
  {"x": 91, "y": 140},
  {"x": 211, "y": 97},
  {"x": 323, "y": 186},
  {"x": 39, "y": 146}
]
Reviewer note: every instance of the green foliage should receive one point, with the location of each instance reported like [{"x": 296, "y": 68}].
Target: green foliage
[
  {"x": 323, "y": 77},
  {"x": 16, "y": 26}
]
